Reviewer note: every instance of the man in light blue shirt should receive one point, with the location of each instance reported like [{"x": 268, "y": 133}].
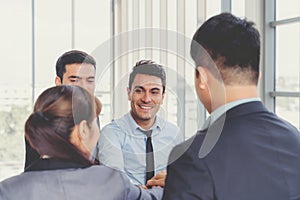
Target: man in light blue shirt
[{"x": 122, "y": 144}]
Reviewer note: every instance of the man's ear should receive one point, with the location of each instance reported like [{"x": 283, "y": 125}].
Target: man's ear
[
  {"x": 163, "y": 97},
  {"x": 259, "y": 76},
  {"x": 203, "y": 77},
  {"x": 128, "y": 94},
  {"x": 57, "y": 81}
]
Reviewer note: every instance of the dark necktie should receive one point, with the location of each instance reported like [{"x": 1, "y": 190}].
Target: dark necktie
[{"x": 149, "y": 157}]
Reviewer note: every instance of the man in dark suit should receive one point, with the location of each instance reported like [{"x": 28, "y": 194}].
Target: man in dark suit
[{"x": 243, "y": 151}]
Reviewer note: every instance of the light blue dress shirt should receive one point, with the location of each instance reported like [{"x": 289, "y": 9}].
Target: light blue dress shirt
[{"x": 122, "y": 145}]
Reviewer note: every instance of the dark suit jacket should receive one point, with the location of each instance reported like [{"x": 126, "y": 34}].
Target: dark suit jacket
[
  {"x": 252, "y": 154},
  {"x": 55, "y": 180}
]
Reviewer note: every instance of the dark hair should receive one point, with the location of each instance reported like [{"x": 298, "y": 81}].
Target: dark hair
[
  {"x": 56, "y": 112},
  {"x": 232, "y": 41},
  {"x": 71, "y": 57},
  {"x": 148, "y": 67}
]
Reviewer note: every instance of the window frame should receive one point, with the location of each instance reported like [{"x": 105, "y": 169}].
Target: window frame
[{"x": 269, "y": 87}]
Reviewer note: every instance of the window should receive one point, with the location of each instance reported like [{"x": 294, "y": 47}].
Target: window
[
  {"x": 34, "y": 35},
  {"x": 15, "y": 83},
  {"x": 283, "y": 50},
  {"x": 238, "y": 7}
]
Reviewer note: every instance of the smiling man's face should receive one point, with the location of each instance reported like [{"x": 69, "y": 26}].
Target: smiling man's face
[{"x": 146, "y": 96}]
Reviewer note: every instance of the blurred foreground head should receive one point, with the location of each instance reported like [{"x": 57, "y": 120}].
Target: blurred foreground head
[{"x": 63, "y": 124}]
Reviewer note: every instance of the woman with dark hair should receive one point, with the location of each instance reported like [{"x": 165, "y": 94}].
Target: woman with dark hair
[{"x": 63, "y": 130}]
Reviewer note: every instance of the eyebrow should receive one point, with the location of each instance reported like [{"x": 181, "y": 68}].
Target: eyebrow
[
  {"x": 141, "y": 87},
  {"x": 74, "y": 77},
  {"x": 90, "y": 77}
]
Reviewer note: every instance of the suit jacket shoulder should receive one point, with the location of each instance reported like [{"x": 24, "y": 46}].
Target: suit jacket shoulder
[
  {"x": 255, "y": 155},
  {"x": 93, "y": 182}
]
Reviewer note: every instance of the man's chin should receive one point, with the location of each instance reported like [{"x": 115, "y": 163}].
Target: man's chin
[{"x": 145, "y": 118}]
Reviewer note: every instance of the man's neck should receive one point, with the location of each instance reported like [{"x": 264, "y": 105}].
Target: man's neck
[
  {"x": 145, "y": 124},
  {"x": 234, "y": 93}
]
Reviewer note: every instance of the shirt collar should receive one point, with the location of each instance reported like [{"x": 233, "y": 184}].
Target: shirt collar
[{"x": 223, "y": 109}]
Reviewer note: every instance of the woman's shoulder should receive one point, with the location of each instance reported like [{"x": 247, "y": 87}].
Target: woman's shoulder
[
  {"x": 101, "y": 169},
  {"x": 102, "y": 174},
  {"x": 76, "y": 181}
]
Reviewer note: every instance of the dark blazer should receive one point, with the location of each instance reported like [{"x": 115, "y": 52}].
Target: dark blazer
[
  {"x": 55, "y": 180},
  {"x": 251, "y": 154}
]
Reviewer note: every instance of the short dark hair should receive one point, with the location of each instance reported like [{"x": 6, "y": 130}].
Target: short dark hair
[
  {"x": 71, "y": 57},
  {"x": 148, "y": 67},
  {"x": 232, "y": 41}
]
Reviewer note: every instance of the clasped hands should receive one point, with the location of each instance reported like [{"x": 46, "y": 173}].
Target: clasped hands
[{"x": 157, "y": 180}]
